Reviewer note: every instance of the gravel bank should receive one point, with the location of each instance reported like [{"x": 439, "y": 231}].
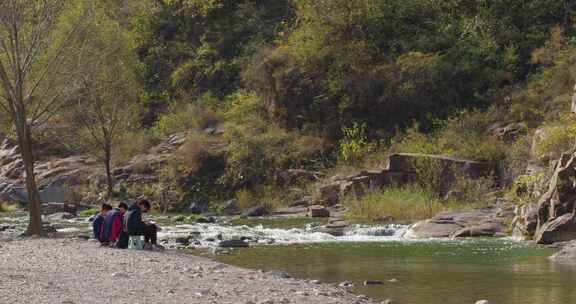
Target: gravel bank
[{"x": 73, "y": 271}]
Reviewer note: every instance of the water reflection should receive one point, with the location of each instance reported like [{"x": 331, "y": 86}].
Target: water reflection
[{"x": 433, "y": 272}]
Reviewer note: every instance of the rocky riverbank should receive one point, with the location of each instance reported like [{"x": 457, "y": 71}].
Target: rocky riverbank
[{"x": 73, "y": 271}]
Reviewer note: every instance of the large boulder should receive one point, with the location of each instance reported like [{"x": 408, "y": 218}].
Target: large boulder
[
  {"x": 566, "y": 253},
  {"x": 560, "y": 198},
  {"x": 233, "y": 244},
  {"x": 560, "y": 229},
  {"x": 508, "y": 132},
  {"x": 259, "y": 210},
  {"x": 329, "y": 195},
  {"x": 432, "y": 229},
  {"x": 464, "y": 223},
  {"x": 198, "y": 207},
  {"x": 318, "y": 211},
  {"x": 231, "y": 207},
  {"x": 484, "y": 229}
]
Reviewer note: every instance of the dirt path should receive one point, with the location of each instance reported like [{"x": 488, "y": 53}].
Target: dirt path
[{"x": 73, "y": 271}]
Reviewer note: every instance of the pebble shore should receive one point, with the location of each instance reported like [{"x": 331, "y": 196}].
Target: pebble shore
[{"x": 70, "y": 271}]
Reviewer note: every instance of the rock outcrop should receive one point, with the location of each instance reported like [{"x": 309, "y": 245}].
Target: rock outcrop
[
  {"x": 318, "y": 211},
  {"x": 566, "y": 253},
  {"x": 455, "y": 224},
  {"x": 401, "y": 169},
  {"x": 556, "y": 208},
  {"x": 508, "y": 132},
  {"x": 56, "y": 177}
]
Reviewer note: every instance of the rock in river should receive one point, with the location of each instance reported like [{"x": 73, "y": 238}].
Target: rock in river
[
  {"x": 469, "y": 223},
  {"x": 567, "y": 253},
  {"x": 254, "y": 211},
  {"x": 318, "y": 211},
  {"x": 233, "y": 244}
]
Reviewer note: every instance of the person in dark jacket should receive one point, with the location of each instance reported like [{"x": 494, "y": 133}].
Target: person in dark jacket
[
  {"x": 133, "y": 224},
  {"x": 112, "y": 225},
  {"x": 97, "y": 225}
]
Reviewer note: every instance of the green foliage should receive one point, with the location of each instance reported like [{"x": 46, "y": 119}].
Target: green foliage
[
  {"x": 258, "y": 151},
  {"x": 555, "y": 139},
  {"x": 361, "y": 61},
  {"x": 353, "y": 143},
  {"x": 89, "y": 212},
  {"x": 527, "y": 188},
  {"x": 190, "y": 47},
  {"x": 465, "y": 135},
  {"x": 180, "y": 118}
]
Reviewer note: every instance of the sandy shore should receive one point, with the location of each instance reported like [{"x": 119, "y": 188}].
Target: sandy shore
[{"x": 73, "y": 271}]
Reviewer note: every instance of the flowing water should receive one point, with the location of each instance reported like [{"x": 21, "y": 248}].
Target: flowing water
[{"x": 413, "y": 272}]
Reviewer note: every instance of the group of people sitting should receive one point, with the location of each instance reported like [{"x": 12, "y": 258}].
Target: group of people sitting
[{"x": 114, "y": 226}]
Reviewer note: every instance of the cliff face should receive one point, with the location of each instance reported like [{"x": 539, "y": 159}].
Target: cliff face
[{"x": 56, "y": 177}]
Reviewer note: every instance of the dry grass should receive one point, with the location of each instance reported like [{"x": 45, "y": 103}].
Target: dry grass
[
  {"x": 7, "y": 208},
  {"x": 403, "y": 204}
]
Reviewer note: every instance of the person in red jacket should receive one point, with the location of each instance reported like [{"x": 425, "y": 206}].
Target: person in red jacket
[{"x": 112, "y": 226}]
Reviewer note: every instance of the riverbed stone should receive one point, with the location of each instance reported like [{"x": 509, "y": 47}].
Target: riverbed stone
[
  {"x": 318, "y": 211},
  {"x": 233, "y": 244},
  {"x": 255, "y": 211},
  {"x": 432, "y": 229},
  {"x": 6, "y": 227},
  {"x": 485, "y": 229},
  {"x": 459, "y": 223},
  {"x": 231, "y": 207},
  {"x": 566, "y": 253},
  {"x": 198, "y": 207}
]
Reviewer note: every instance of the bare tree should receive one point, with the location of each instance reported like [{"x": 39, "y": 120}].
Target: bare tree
[{"x": 33, "y": 51}]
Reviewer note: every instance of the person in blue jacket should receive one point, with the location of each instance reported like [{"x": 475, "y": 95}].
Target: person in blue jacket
[
  {"x": 98, "y": 224},
  {"x": 112, "y": 225}
]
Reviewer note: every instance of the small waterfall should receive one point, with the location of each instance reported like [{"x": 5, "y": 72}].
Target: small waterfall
[{"x": 208, "y": 234}]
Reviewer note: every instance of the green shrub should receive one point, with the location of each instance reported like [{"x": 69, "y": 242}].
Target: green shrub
[
  {"x": 354, "y": 143},
  {"x": 464, "y": 135},
  {"x": 555, "y": 140},
  {"x": 89, "y": 212},
  {"x": 245, "y": 199},
  {"x": 194, "y": 116}
]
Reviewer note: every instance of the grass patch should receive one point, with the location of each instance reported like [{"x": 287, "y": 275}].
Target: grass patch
[
  {"x": 403, "y": 204},
  {"x": 89, "y": 212},
  {"x": 7, "y": 208}
]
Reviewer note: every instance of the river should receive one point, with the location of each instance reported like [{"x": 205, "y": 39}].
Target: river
[{"x": 445, "y": 271}]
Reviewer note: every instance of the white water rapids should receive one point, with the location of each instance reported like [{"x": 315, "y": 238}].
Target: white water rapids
[{"x": 207, "y": 233}]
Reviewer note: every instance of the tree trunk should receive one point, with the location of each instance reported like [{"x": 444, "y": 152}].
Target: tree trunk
[
  {"x": 108, "y": 165},
  {"x": 34, "y": 206}
]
